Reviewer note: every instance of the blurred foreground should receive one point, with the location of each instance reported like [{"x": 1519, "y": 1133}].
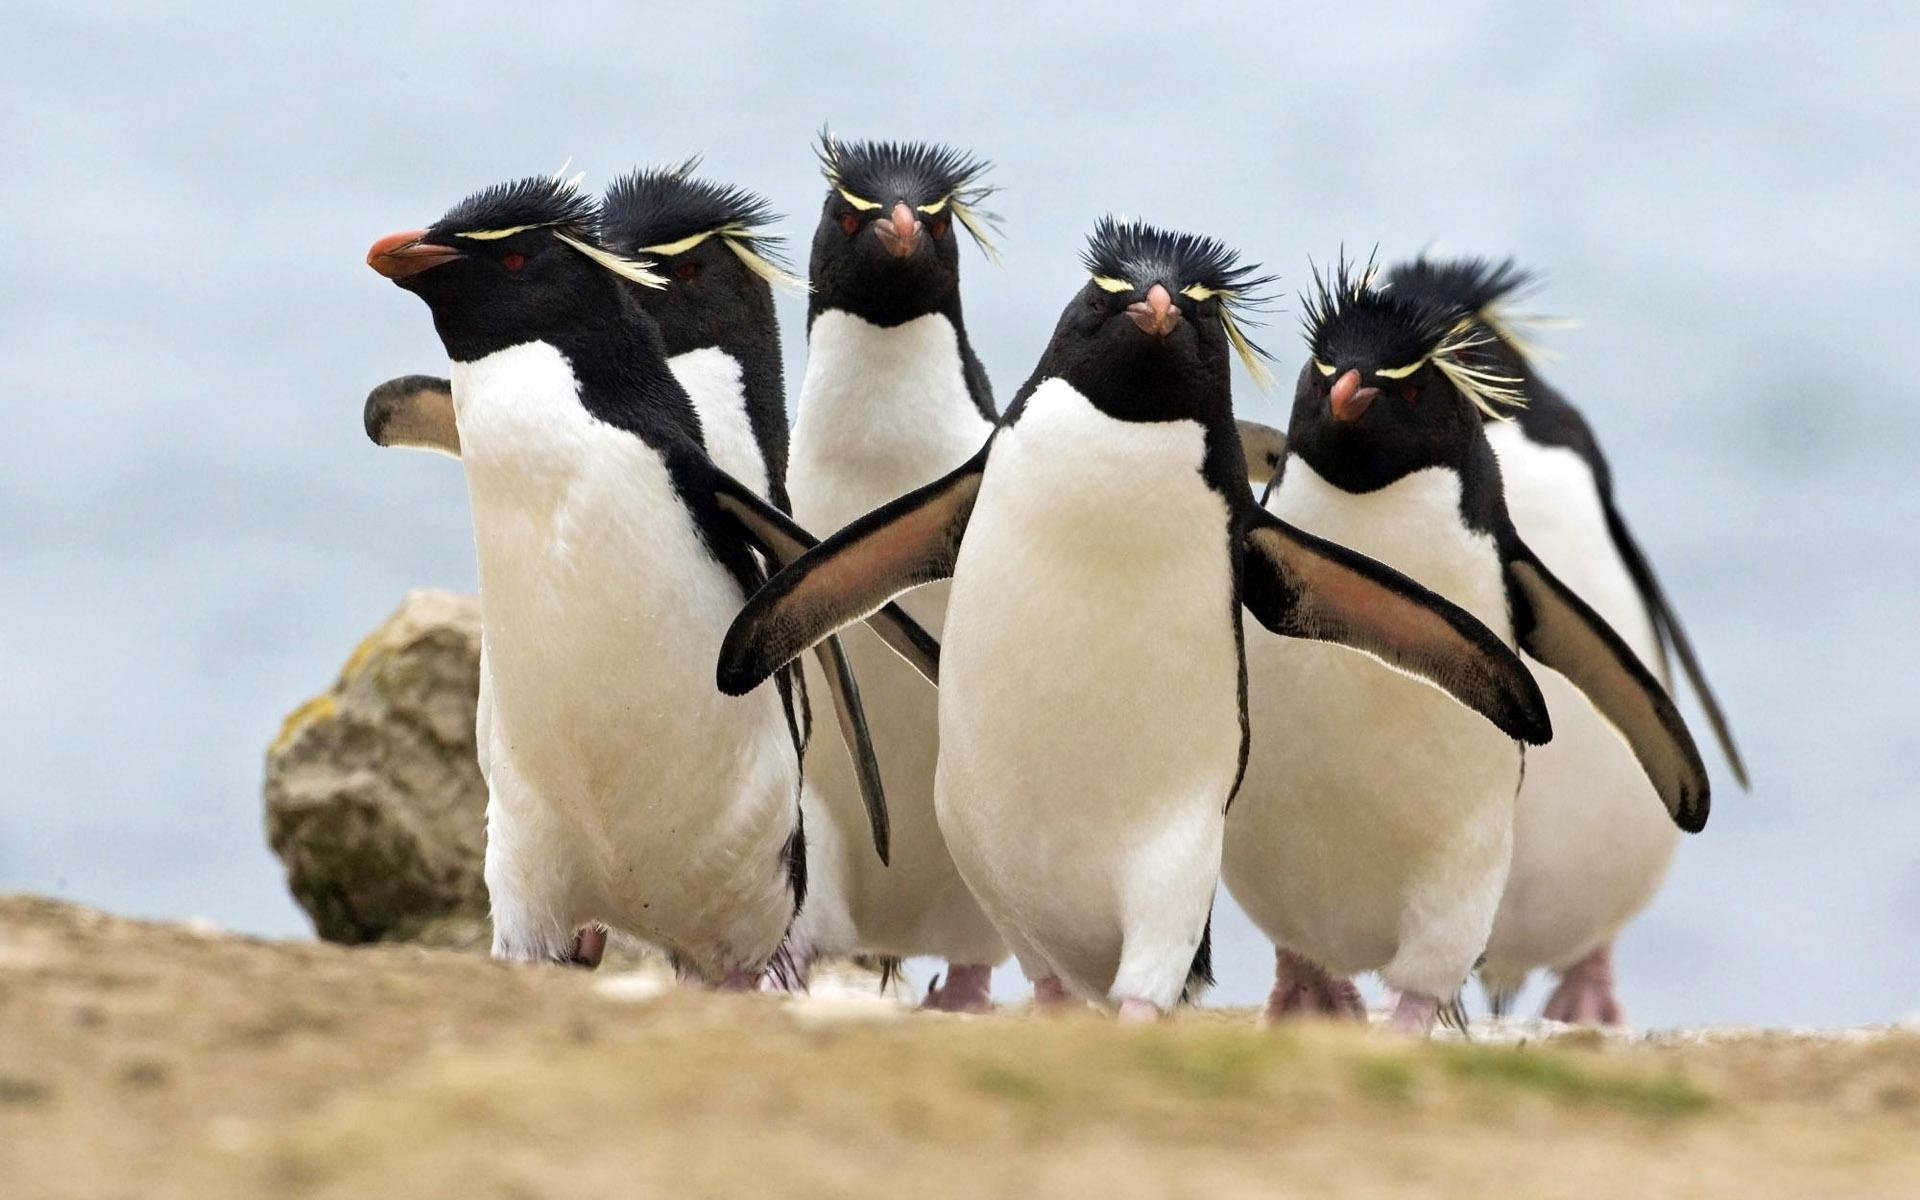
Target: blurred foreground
[{"x": 169, "y": 1060}]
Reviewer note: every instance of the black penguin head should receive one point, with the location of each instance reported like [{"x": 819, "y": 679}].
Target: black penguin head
[
  {"x": 1395, "y": 381},
  {"x": 517, "y": 262},
  {"x": 1486, "y": 288},
  {"x": 887, "y": 248},
  {"x": 1148, "y": 337},
  {"x": 708, "y": 241}
]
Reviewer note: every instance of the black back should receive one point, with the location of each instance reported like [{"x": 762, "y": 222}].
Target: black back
[{"x": 714, "y": 297}]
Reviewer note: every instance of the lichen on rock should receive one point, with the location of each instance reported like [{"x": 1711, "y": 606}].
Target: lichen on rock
[{"x": 374, "y": 799}]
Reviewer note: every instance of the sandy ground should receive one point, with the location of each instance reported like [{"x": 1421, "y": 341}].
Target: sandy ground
[{"x": 144, "y": 1060}]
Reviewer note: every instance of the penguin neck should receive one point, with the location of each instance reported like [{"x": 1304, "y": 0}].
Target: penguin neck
[
  {"x": 1351, "y": 461},
  {"x": 907, "y": 391},
  {"x": 623, "y": 376}
]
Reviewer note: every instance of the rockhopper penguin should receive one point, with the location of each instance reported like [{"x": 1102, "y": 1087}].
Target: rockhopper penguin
[
  {"x": 1591, "y": 842},
  {"x": 1092, "y": 703},
  {"x": 624, "y": 792},
  {"x": 1375, "y": 829},
  {"x": 892, "y": 398}
]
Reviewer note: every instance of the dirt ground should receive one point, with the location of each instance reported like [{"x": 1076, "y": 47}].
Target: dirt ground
[{"x": 146, "y": 1060}]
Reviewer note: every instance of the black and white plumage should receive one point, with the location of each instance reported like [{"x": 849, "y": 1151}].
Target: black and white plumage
[
  {"x": 1375, "y": 829},
  {"x": 1591, "y": 843},
  {"x": 893, "y": 397},
  {"x": 1101, "y": 543},
  {"x": 623, "y": 790}
]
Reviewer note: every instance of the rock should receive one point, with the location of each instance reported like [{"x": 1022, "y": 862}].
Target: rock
[{"x": 374, "y": 800}]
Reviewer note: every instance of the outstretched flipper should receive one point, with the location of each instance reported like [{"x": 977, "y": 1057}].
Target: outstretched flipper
[
  {"x": 783, "y": 542},
  {"x": 1669, "y": 629},
  {"x": 1302, "y": 586},
  {"x": 415, "y": 411},
  {"x": 1265, "y": 448},
  {"x": 1559, "y": 629},
  {"x": 851, "y": 575}
]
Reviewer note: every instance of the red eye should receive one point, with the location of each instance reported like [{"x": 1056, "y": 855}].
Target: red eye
[
  {"x": 849, "y": 224},
  {"x": 937, "y": 225},
  {"x": 1409, "y": 392},
  {"x": 513, "y": 260},
  {"x": 686, "y": 270}
]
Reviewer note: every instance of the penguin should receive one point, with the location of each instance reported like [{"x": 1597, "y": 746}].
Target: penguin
[
  {"x": 624, "y": 793},
  {"x": 710, "y": 242},
  {"x": 1092, "y": 703},
  {"x": 1591, "y": 843},
  {"x": 893, "y": 397},
  {"x": 1376, "y": 827}
]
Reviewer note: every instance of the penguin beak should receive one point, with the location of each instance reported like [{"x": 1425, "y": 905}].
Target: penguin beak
[
  {"x": 1349, "y": 399},
  {"x": 1156, "y": 314},
  {"x": 399, "y": 255},
  {"x": 899, "y": 231}
]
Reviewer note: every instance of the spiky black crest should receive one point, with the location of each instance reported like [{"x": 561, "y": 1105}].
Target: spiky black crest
[
  {"x": 1476, "y": 284},
  {"x": 1130, "y": 254},
  {"x": 1351, "y": 322},
  {"x": 534, "y": 201},
  {"x": 661, "y": 206},
  {"x": 1141, "y": 254},
  {"x": 917, "y": 172}
]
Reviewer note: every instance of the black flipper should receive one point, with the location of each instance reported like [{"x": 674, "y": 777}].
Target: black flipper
[
  {"x": 415, "y": 411},
  {"x": 853, "y": 574},
  {"x": 1559, "y": 629},
  {"x": 1265, "y": 449},
  {"x": 1668, "y": 627},
  {"x": 1302, "y": 586},
  {"x": 783, "y": 542}
]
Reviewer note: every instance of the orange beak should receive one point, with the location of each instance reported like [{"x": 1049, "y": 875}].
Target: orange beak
[
  {"x": 399, "y": 255},
  {"x": 1156, "y": 314},
  {"x": 1349, "y": 399},
  {"x": 899, "y": 231}
]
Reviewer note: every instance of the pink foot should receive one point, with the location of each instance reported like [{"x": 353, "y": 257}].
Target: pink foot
[
  {"x": 1415, "y": 1014},
  {"x": 739, "y": 981},
  {"x": 1135, "y": 1011},
  {"x": 967, "y": 988},
  {"x": 1051, "y": 996},
  {"x": 1304, "y": 988},
  {"x": 588, "y": 947},
  {"x": 1585, "y": 995}
]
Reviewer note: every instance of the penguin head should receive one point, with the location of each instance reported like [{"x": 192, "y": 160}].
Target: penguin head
[
  {"x": 1486, "y": 288},
  {"x": 1395, "y": 381},
  {"x": 708, "y": 241},
  {"x": 1150, "y": 334},
  {"x": 887, "y": 247},
  {"x": 517, "y": 262}
]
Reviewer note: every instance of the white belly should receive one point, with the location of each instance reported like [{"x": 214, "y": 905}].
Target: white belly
[
  {"x": 712, "y": 379},
  {"x": 640, "y": 796},
  {"x": 1089, "y": 702},
  {"x": 1373, "y": 829},
  {"x": 882, "y": 412},
  {"x": 1592, "y": 841}
]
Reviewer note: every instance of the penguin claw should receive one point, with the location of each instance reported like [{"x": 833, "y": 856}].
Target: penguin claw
[{"x": 967, "y": 989}]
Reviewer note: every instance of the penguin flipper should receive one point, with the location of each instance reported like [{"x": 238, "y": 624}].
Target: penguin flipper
[
  {"x": 853, "y": 731},
  {"x": 900, "y": 545},
  {"x": 1557, "y": 627},
  {"x": 777, "y": 536},
  {"x": 1668, "y": 625},
  {"x": 1302, "y": 586},
  {"x": 784, "y": 543},
  {"x": 1265, "y": 449},
  {"x": 415, "y": 411}
]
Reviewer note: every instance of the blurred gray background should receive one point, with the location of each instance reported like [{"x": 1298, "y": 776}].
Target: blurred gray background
[{"x": 194, "y": 531}]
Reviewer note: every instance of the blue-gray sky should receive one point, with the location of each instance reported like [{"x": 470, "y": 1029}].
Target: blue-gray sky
[{"x": 194, "y": 531}]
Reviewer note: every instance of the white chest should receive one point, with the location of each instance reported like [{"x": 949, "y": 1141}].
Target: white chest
[
  {"x": 882, "y": 411},
  {"x": 713, "y": 381}
]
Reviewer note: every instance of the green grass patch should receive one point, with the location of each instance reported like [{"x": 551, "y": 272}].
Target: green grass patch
[
  {"x": 1011, "y": 1083},
  {"x": 1211, "y": 1068},
  {"x": 1568, "y": 1082},
  {"x": 1386, "y": 1079}
]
